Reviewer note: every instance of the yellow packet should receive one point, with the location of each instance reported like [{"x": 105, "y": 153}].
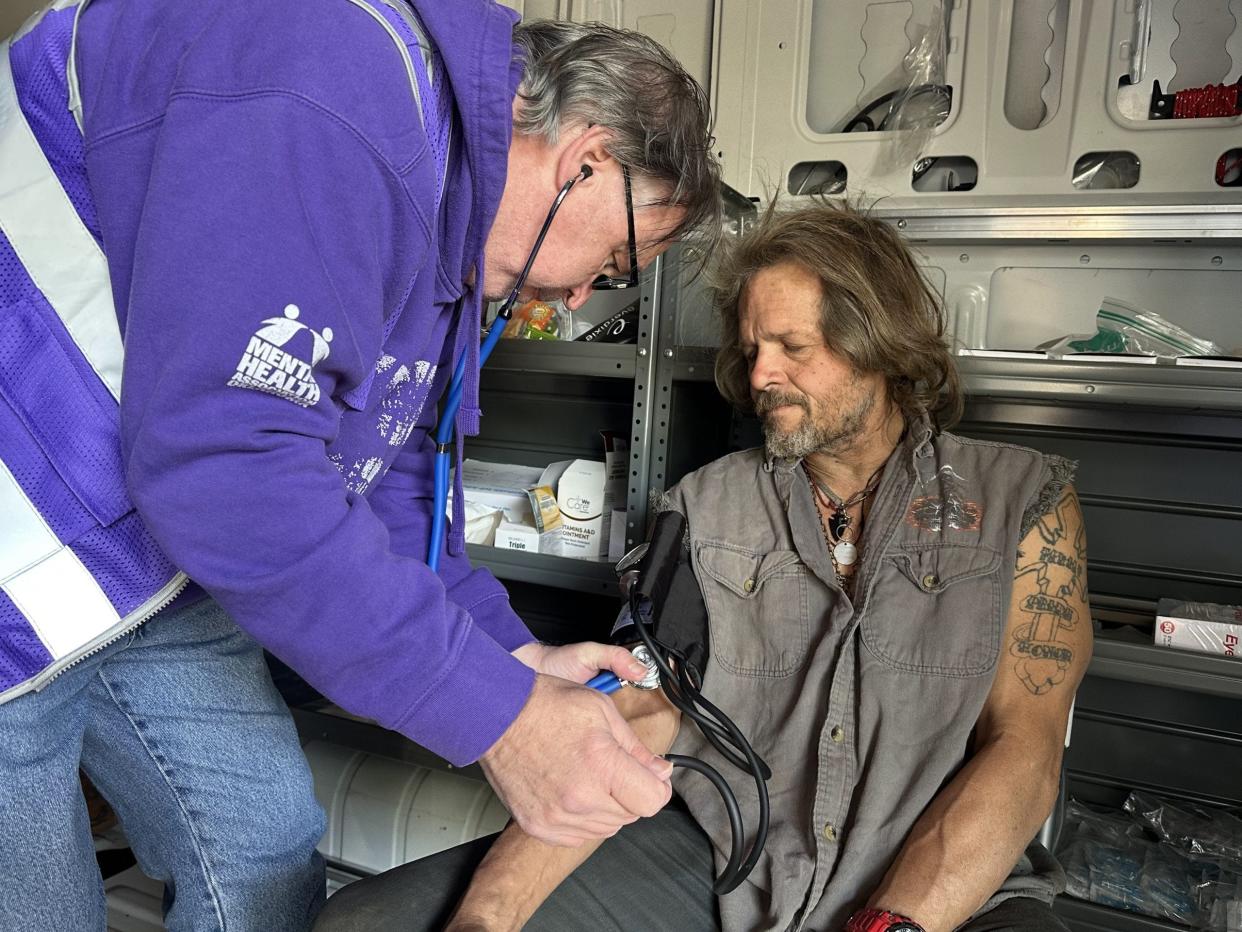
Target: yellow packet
[{"x": 543, "y": 505}]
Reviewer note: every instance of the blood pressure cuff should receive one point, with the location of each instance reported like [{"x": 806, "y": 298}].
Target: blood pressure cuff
[{"x": 670, "y": 600}]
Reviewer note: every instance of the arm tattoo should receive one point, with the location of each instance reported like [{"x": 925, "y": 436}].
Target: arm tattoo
[{"x": 1042, "y": 657}]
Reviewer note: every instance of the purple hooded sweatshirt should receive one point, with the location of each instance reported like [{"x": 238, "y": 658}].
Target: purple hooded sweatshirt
[{"x": 289, "y": 294}]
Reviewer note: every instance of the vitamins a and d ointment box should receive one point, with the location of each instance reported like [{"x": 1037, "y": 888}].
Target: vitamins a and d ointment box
[{"x": 586, "y": 492}]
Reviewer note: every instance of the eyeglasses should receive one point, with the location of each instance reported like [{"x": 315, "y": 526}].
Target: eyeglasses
[
  {"x": 607, "y": 282},
  {"x": 603, "y": 282}
]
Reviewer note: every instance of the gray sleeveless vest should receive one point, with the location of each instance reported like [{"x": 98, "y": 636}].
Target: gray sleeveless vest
[{"x": 863, "y": 709}]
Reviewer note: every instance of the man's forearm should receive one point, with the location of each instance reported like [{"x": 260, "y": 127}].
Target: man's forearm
[
  {"x": 517, "y": 875},
  {"x": 967, "y": 842},
  {"x": 520, "y": 872}
]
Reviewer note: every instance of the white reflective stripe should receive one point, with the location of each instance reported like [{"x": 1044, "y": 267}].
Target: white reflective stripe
[
  {"x": 45, "y": 579},
  {"x": 71, "y": 66},
  {"x": 401, "y": 47},
  {"x": 63, "y": 603},
  {"x": 25, "y": 538},
  {"x": 420, "y": 34},
  {"x": 58, "y": 252}
]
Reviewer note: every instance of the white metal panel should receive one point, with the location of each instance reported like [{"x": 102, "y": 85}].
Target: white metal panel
[
  {"x": 683, "y": 27},
  {"x": 762, "y": 92}
]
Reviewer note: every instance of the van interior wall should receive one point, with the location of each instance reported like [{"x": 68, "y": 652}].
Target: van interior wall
[{"x": 14, "y": 12}]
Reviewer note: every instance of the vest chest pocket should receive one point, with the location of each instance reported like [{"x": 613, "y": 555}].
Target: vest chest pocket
[
  {"x": 756, "y": 608},
  {"x": 936, "y": 609}
]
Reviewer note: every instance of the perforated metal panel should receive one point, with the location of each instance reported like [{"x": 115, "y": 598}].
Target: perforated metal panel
[{"x": 1038, "y": 87}]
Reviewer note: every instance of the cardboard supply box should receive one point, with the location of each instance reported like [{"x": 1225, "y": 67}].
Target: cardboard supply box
[
  {"x": 510, "y": 536},
  {"x": 580, "y": 517},
  {"x": 1199, "y": 626},
  {"x": 499, "y": 485},
  {"x": 586, "y": 491}
]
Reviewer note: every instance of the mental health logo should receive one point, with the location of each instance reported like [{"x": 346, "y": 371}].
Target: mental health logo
[{"x": 280, "y": 359}]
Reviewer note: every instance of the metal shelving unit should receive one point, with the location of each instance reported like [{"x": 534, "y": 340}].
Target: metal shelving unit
[
  {"x": 570, "y": 359},
  {"x": 1220, "y": 224},
  {"x": 546, "y": 570},
  {"x": 1183, "y": 387},
  {"x": 1159, "y": 666},
  {"x": 563, "y": 358}
]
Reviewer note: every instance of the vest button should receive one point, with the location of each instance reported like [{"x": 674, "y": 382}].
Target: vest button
[
  {"x": 838, "y": 734},
  {"x": 749, "y": 585},
  {"x": 829, "y": 832},
  {"x": 931, "y": 580}
]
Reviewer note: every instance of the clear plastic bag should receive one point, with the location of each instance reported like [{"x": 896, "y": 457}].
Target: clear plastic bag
[
  {"x": 1102, "y": 854},
  {"x": 1110, "y": 859},
  {"x": 1225, "y": 911},
  {"x": 1115, "y": 828},
  {"x": 534, "y": 320},
  {"x": 924, "y": 100},
  {"x": 1195, "y": 831},
  {"x": 1200, "y": 611},
  {"x": 917, "y": 100},
  {"x": 1170, "y": 886},
  {"x": 1102, "y": 171},
  {"x": 1122, "y": 328}
]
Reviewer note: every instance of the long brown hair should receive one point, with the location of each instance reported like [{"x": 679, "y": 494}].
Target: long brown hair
[{"x": 877, "y": 310}]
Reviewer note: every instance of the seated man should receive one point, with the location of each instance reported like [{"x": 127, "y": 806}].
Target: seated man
[{"x": 898, "y": 623}]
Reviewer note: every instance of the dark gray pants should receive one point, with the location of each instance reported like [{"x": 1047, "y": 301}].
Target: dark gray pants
[{"x": 655, "y": 875}]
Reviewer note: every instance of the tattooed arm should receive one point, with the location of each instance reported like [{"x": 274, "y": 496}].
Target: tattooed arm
[{"x": 967, "y": 841}]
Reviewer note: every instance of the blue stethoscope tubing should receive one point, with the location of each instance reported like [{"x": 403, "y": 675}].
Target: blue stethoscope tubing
[
  {"x": 716, "y": 726},
  {"x": 444, "y": 430},
  {"x": 606, "y": 683}
]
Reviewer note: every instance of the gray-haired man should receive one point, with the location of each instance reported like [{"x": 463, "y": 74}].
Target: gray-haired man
[{"x": 279, "y": 221}]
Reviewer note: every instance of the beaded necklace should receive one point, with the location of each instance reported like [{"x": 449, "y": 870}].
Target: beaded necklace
[{"x": 840, "y": 533}]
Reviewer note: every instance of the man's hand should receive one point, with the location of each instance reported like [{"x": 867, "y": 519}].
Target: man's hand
[
  {"x": 580, "y": 662},
  {"x": 570, "y": 769}
]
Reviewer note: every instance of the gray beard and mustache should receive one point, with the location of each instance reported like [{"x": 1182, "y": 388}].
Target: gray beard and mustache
[{"x": 811, "y": 437}]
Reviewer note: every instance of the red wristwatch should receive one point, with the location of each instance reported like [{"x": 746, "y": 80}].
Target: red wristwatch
[{"x": 881, "y": 920}]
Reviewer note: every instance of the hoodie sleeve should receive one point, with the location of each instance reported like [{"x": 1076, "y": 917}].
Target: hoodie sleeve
[
  {"x": 263, "y": 265},
  {"x": 403, "y": 500}
]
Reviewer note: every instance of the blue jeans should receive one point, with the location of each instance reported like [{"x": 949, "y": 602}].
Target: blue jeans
[{"x": 180, "y": 728}]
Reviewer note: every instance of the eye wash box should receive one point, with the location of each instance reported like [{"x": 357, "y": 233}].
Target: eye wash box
[{"x": 1199, "y": 626}]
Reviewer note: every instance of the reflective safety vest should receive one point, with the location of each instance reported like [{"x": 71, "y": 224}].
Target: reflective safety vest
[{"x": 78, "y": 568}]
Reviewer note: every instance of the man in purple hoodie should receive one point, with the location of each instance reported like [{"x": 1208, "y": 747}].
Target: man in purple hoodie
[{"x": 276, "y": 224}]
